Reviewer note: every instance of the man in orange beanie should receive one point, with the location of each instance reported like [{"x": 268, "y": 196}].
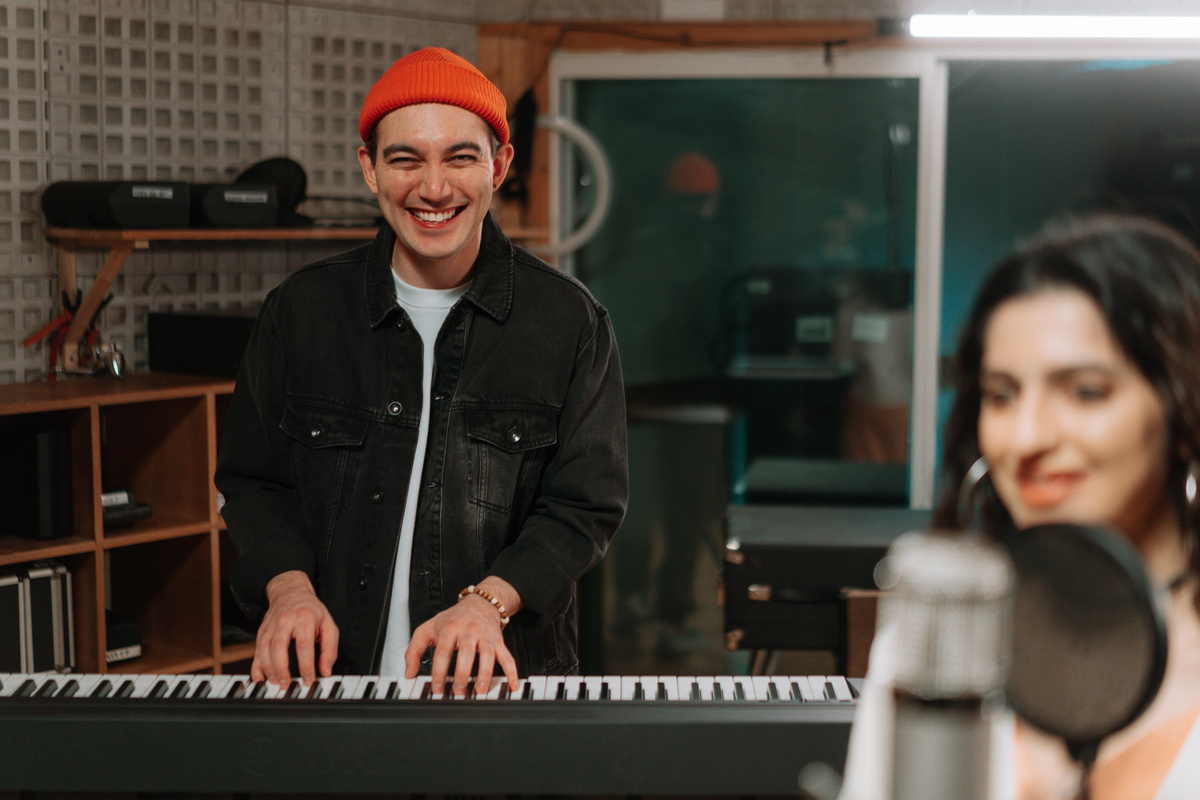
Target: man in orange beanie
[{"x": 425, "y": 448}]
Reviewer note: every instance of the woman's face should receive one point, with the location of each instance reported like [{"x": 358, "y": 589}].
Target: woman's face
[{"x": 1071, "y": 429}]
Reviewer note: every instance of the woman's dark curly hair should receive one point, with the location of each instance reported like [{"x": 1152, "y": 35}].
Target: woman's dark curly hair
[{"x": 1145, "y": 278}]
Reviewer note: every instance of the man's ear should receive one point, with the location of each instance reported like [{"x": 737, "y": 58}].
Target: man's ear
[
  {"x": 500, "y": 164},
  {"x": 368, "y": 168}
]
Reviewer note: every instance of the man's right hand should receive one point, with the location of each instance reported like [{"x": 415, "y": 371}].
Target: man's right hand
[{"x": 294, "y": 613}]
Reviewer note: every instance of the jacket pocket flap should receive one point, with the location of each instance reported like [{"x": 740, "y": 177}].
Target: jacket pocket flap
[
  {"x": 322, "y": 427},
  {"x": 513, "y": 431}
]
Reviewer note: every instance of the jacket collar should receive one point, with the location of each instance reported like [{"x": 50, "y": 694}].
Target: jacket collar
[{"x": 492, "y": 276}]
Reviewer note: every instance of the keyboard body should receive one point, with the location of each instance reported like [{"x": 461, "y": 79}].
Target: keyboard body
[{"x": 367, "y": 735}]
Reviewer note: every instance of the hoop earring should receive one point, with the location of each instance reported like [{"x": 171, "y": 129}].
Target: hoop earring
[
  {"x": 966, "y": 492},
  {"x": 1190, "y": 488}
]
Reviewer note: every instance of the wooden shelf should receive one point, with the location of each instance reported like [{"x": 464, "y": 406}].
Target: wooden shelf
[
  {"x": 121, "y": 242},
  {"x": 156, "y": 435}
]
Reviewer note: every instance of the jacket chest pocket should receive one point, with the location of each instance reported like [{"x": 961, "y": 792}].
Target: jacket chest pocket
[
  {"x": 327, "y": 444},
  {"x": 504, "y": 447}
]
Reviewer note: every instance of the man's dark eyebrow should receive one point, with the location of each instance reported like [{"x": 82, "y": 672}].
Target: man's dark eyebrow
[
  {"x": 472, "y": 146},
  {"x": 392, "y": 149}
]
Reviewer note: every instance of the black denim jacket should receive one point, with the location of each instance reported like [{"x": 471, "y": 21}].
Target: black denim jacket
[{"x": 525, "y": 474}]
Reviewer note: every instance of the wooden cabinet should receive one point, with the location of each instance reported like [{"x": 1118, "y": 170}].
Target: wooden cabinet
[{"x": 156, "y": 435}]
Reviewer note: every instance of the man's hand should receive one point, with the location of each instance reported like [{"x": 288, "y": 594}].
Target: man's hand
[
  {"x": 471, "y": 627},
  {"x": 295, "y": 613}
]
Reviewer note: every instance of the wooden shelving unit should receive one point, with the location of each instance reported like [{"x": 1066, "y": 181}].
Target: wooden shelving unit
[
  {"x": 156, "y": 435},
  {"x": 121, "y": 242}
]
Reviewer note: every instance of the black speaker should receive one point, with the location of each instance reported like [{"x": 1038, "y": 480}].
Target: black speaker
[
  {"x": 116, "y": 204},
  {"x": 234, "y": 205},
  {"x": 35, "y": 480}
]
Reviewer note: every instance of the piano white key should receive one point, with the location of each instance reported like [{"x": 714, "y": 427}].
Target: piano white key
[
  {"x": 321, "y": 688},
  {"x": 173, "y": 684},
  {"x": 537, "y": 688},
  {"x": 726, "y": 686},
  {"x": 417, "y": 689},
  {"x": 87, "y": 682},
  {"x": 706, "y": 684},
  {"x": 218, "y": 685},
  {"x": 818, "y": 687},
  {"x": 686, "y": 684},
  {"x": 631, "y": 687},
  {"x": 554, "y": 686},
  {"x": 493, "y": 692},
  {"x": 841, "y": 689},
  {"x": 142, "y": 684},
  {"x": 800, "y": 683},
  {"x": 746, "y": 684},
  {"x": 783, "y": 688},
  {"x": 573, "y": 684},
  {"x": 671, "y": 685},
  {"x": 763, "y": 686}
]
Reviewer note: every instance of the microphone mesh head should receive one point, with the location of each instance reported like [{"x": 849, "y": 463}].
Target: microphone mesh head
[{"x": 949, "y": 598}]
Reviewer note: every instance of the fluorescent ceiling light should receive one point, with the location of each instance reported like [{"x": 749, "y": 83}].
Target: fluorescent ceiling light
[{"x": 1033, "y": 26}]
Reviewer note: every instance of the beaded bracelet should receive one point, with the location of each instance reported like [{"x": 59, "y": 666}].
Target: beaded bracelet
[{"x": 473, "y": 589}]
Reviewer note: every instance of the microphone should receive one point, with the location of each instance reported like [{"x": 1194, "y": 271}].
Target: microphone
[{"x": 950, "y": 607}]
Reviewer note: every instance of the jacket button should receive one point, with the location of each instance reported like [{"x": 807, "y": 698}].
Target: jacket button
[
  {"x": 376, "y": 496},
  {"x": 362, "y": 583},
  {"x": 394, "y": 408},
  {"x": 514, "y": 435},
  {"x": 318, "y": 430}
]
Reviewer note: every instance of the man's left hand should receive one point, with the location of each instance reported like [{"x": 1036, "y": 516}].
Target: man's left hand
[{"x": 471, "y": 628}]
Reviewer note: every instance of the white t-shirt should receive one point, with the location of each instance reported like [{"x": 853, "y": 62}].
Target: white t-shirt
[{"x": 428, "y": 309}]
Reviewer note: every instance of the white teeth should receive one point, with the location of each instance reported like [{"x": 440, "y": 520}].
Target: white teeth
[{"x": 433, "y": 216}]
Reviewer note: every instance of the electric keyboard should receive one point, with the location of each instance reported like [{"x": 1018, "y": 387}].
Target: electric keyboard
[{"x": 573, "y": 735}]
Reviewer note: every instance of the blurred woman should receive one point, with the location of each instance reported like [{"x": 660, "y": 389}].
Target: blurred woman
[{"x": 1078, "y": 383}]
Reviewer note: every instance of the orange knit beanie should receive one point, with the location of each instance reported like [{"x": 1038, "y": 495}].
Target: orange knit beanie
[{"x": 434, "y": 75}]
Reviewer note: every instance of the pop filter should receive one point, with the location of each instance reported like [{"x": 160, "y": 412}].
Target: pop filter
[{"x": 1089, "y": 640}]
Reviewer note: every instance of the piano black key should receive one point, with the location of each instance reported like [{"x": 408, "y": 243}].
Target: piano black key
[
  {"x": 604, "y": 694},
  {"x": 237, "y": 690},
  {"x": 427, "y": 691},
  {"x": 718, "y": 692},
  {"x": 202, "y": 690},
  {"x": 369, "y": 691},
  {"x": 739, "y": 692},
  {"x": 257, "y": 691},
  {"x": 662, "y": 691},
  {"x": 125, "y": 689},
  {"x": 25, "y": 689},
  {"x": 828, "y": 691},
  {"x": 314, "y": 691},
  {"x": 69, "y": 689},
  {"x": 158, "y": 689},
  {"x": 561, "y": 692},
  {"x": 695, "y": 691},
  {"x": 180, "y": 690},
  {"x": 335, "y": 691},
  {"x": 103, "y": 689},
  {"x": 773, "y": 692},
  {"x": 47, "y": 689},
  {"x": 392, "y": 690},
  {"x": 294, "y": 688}
]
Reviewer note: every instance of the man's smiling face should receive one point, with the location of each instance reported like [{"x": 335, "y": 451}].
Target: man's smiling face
[{"x": 434, "y": 173}]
